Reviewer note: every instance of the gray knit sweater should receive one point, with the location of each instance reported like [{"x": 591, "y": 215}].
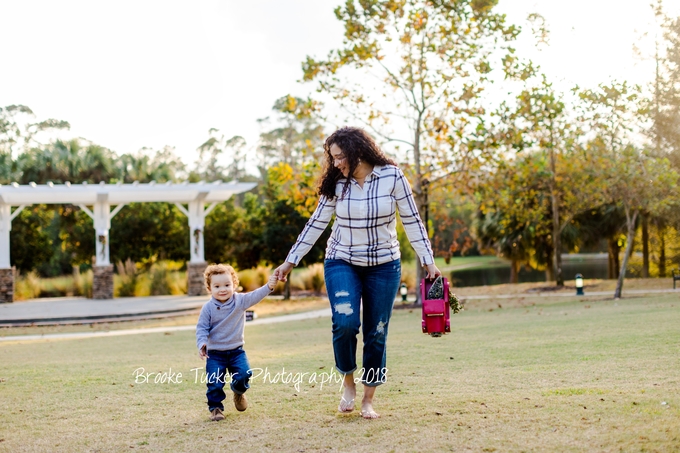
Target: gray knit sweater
[{"x": 221, "y": 324}]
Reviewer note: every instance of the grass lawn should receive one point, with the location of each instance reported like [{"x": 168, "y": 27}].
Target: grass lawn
[
  {"x": 464, "y": 262},
  {"x": 537, "y": 374}
]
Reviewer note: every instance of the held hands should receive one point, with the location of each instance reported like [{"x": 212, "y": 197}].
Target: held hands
[
  {"x": 203, "y": 352},
  {"x": 273, "y": 280},
  {"x": 432, "y": 272},
  {"x": 283, "y": 270}
]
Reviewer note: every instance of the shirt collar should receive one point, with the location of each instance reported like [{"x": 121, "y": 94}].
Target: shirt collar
[
  {"x": 377, "y": 169},
  {"x": 218, "y": 303}
]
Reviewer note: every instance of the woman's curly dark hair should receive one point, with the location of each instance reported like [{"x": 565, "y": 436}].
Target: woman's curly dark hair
[{"x": 356, "y": 145}]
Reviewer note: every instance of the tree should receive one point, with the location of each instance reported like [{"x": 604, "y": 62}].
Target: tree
[
  {"x": 19, "y": 131},
  {"x": 514, "y": 212},
  {"x": 68, "y": 161},
  {"x": 662, "y": 109},
  {"x": 297, "y": 136},
  {"x": 635, "y": 180},
  {"x": 538, "y": 122},
  {"x": 607, "y": 222},
  {"x": 662, "y": 105},
  {"x": 30, "y": 238},
  {"x": 289, "y": 200},
  {"x": 148, "y": 165},
  {"x": 419, "y": 65},
  {"x": 451, "y": 221},
  {"x": 211, "y": 166},
  {"x": 640, "y": 184}
]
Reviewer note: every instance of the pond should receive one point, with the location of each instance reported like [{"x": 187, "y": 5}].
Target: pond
[{"x": 588, "y": 266}]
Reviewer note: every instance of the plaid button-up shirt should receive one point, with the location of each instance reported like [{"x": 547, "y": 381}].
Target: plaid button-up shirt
[{"x": 364, "y": 232}]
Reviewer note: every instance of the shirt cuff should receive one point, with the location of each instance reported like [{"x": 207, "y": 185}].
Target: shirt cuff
[
  {"x": 293, "y": 259},
  {"x": 427, "y": 260}
]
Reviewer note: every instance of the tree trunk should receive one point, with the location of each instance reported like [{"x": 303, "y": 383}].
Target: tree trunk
[
  {"x": 661, "y": 226},
  {"x": 630, "y": 224},
  {"x": 514, "y": 271},
  {"x": 549, "y": 269},
  {"x": 557, "y": 244},
  {"x": 645, "y": 246},
  {"x": 420, "y": 205},
  {"x": 420, "y": 195},
  {"x": 286, "y": 289},
  {"x": 549, "y": 273},
  {"x": 613, "y": 250}
]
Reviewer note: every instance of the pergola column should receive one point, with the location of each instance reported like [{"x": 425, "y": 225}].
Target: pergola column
[
  {"x": 196, "y": 265},
  {"x": 102, "y": 269},
  {"x": 7, "y": 272}
]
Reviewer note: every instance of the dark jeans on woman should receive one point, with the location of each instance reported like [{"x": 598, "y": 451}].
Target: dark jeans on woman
[
  {"x": 217, "y": 364},
  {"x": 349, "y": 287}
]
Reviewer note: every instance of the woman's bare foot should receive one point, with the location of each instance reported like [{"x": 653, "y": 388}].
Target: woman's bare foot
[
  {"x": 367, "y": 404},
  {"x": 368, "y": 413},
  {"x": 350, "y": 392}
]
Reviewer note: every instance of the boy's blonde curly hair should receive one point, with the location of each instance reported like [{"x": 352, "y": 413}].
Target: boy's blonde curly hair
[{"x": 216, "y": 269}]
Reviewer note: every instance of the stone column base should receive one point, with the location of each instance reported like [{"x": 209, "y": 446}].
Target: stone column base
[
  {"x": 195, "y": 279},
  {"x": 102, "y": 284},
  {"x": 7, "y": 285}
]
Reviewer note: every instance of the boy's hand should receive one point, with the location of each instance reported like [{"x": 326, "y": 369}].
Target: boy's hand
[
  {"x": 272, "y": 281},
  {"x": 203, "y": 353}
]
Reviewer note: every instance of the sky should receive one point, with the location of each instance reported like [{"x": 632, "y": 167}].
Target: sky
[{"x": 151, "y": 73}]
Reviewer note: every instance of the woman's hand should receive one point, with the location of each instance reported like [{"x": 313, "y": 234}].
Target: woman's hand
[
  {"x": 432, "y": 272},
  {"x": 283, "y": 270}
]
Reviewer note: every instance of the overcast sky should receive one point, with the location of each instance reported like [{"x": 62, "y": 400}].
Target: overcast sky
[{"x": 150, "y": 73}]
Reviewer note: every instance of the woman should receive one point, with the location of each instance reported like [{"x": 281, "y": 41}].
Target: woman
[{"x": 364, "y": 189}]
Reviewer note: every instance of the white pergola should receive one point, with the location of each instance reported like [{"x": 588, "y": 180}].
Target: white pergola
[{"x": 101, "y": 197}]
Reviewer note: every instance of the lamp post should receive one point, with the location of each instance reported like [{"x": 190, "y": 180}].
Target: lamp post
[
  {"x": 579, "y": 284},
  {"x": 403, "y": 290}
]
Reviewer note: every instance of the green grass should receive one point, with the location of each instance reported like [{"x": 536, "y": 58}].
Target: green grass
[
  {"x": 467, "y": 262},
  {"x": 537, "y": 375}
]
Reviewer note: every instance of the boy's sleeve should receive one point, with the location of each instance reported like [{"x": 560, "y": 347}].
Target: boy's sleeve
[
  {"x": 203, "y": 326},
  {"x": 247, "y": 300}
]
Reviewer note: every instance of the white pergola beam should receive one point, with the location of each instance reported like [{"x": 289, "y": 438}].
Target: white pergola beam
[
  {"x": 182, "y": 209},
  {"x": 210, "y": 208},
  {"x": 16, "y": 212},
  {"x": 116, "y": 210},
  {"x": 86, "y": 211},
  {"x": 79, "y": 194}
]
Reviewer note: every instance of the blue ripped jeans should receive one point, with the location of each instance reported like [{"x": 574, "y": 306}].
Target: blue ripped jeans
[{"x": 349, "y": 286}]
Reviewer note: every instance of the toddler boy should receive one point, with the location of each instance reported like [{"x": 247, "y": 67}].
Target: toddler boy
[{"x": 219, "y": 336}]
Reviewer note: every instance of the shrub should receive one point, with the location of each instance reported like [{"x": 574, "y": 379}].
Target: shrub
[
  {"x": 297, "y": 280},
  {"x": 177, "y": 281},
  {"x": 312, "y": 278},
  {"x": 83, "y": 283},
  {"x": 251, "y": 279},
  {"x": 57, "y": 286},
  {"x": 125, "y": 283},
  {"x": 408, "y": 276},
  {"x": 27, "y": 287},
  {"x": 160, "y": 277}
]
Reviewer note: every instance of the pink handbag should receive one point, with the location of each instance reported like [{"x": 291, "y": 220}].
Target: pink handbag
[{"x": 436, "y": 312}]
